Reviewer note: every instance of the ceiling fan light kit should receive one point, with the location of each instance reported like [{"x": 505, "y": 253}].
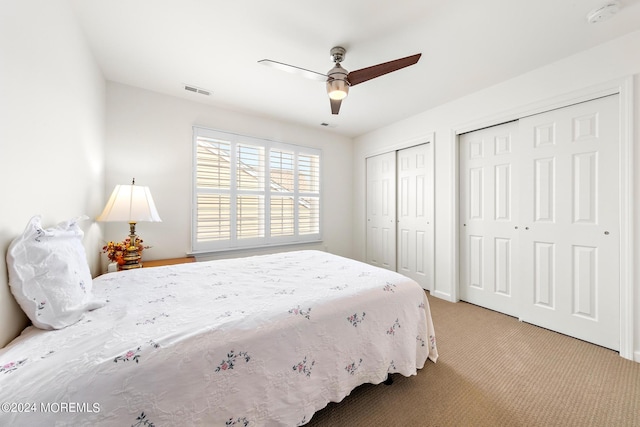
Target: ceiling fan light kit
[
  {"x": 337, "y": 89},
  {"x": 338, "y": 80}
]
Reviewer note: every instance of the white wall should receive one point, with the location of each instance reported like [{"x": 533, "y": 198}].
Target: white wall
[
  {"x": 52, "y": 98},
  {"x": 594, "y": 67},
  {"x": 149, "y": 137}
]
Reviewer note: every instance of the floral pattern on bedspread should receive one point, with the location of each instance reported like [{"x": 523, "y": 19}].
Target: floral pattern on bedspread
[
  {"x": 12, "y": 366},
  {"x": 265, "y": 340},
  {"x": 232, "y": 358},
  {"x": 304, "y": 367},
  {"x": 131, "y": 355}
]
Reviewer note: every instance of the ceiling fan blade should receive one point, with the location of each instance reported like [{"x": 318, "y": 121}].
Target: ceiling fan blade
[
  {"x": 335, "y": 105},
  {"x": 364, "y": 74},
  {"x": 295, "y": 70}
]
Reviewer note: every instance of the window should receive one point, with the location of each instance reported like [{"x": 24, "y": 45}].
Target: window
[{"x": 250, "y": 192}]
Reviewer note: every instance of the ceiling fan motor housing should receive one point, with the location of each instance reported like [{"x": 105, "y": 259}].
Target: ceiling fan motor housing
[{"x": 337, "y": 83}]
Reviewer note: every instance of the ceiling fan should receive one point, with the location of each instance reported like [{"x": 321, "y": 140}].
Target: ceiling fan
[{"x": 338, "y": 79}]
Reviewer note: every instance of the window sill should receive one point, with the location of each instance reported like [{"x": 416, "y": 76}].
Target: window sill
[{"x": 256, "y": 250}]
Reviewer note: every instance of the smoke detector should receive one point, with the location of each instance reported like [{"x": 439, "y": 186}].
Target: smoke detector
[{"x": 603, "y": 12}]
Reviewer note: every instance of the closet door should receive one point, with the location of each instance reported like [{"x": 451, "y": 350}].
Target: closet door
[
  {"x": 381, "y": 211},
  {"x": 570, "y": 215},
  {"x": 539, "y": 220},
  {"x": 488, "y": 218},
  {"x": 414, "y": 231}
]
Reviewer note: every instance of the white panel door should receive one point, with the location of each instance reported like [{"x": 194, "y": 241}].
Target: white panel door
[
  {"x": 381, "y": 211},
  {"x": 570, "y": 221},
  {"x": 414, "y": 234},
  {"x": 488, "y": 218}
]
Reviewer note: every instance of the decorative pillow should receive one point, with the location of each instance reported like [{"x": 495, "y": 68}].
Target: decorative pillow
[{"x": 49, "y": 275}]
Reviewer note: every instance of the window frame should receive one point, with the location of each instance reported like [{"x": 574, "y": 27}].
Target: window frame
[{"x": 233, "y": 242}]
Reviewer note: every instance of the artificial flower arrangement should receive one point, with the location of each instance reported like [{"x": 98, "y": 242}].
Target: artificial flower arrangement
[{"x": 117, "y": 250}]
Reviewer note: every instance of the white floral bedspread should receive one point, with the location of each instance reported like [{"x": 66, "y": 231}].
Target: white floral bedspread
[{"x": 259, "y": 341}]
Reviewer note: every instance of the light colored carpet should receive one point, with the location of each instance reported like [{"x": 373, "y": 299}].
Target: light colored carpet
[{"x": 496, "y": 371}]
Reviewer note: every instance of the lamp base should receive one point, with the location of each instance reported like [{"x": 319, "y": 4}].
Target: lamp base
[{"x": 131, "y": 260}]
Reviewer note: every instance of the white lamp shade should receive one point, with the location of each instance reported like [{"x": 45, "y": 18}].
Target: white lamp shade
[{"x": 130, "y": 203}]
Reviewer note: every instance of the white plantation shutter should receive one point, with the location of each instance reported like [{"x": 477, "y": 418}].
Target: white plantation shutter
[
  {"x": 309, "y": 194},
  {"x": 214, "y": 217},
  {"x": 282, "y": 186},
  {"x": 213, "y": 201},
  {"x": 250, "y": 178},
  {"x": 250, "y": 192},
  {"x": 282, "y": 216}
]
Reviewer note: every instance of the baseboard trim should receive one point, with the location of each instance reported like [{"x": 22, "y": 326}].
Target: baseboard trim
[{"x": 442, "y": 295}]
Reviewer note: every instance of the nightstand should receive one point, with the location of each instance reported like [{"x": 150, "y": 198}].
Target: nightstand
[{"x": 169, "y": 261}]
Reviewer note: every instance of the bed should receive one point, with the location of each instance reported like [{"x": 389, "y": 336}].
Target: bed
[{"x": 259, "y": 341}]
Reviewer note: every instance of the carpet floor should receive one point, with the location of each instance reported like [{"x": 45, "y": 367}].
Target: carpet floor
[{"x": 496, "y": 371}]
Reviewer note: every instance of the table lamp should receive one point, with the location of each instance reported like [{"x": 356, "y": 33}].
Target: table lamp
[{"x": 132, "y": 204}]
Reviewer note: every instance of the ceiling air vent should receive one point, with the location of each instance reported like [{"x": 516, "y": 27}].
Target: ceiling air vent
[{"x": 196, "y": 89}]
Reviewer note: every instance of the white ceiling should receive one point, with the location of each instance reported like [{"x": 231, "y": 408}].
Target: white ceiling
[{"x": 466, "y": 45}]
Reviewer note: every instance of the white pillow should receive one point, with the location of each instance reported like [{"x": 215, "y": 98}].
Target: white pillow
[{"x": 49, "y": 275}]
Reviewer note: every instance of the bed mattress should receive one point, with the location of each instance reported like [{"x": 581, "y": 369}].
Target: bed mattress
[{"x": 263, "y": 340}]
